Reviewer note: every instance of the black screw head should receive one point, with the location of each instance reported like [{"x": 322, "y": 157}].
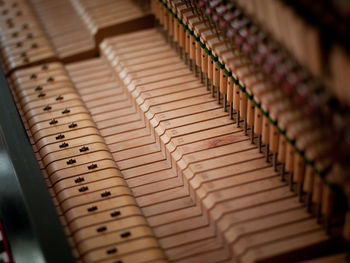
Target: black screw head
[
  {"x": 47, "y": 107},
  {"x": 101, "y": 229},
  {"x": 72, "y": 125},
  {"x": 64, "y": 145},
  {"x": 53, "y": 121},
  {"x": 92, "y": 208},
  {"x": 115, "y": 213},
  {"x": 65, "y": 111},
  {"x": 92, "y": 166},
  {"x": 59, "y": 137},
  {"x": 71, "y": 161},
  {"x": 84, "y": 149},
  {"x": 41, "y": 95},
  {"x": 125, "y": 234},
  {"x": 79, "y": 180},
  {"x": 83, "y": 189},
  {"x": 106, "y": 193},
  {"x": 111, "y": 250}
]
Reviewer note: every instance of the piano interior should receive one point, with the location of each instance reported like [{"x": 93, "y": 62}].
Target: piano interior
[{"x": 182, "y": 130}]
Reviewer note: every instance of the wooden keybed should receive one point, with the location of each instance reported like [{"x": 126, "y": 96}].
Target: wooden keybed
[{"x": 148, "y": 159}]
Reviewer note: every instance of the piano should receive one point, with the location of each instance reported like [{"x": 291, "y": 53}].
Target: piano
[{"x": 174, "y": 131}]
